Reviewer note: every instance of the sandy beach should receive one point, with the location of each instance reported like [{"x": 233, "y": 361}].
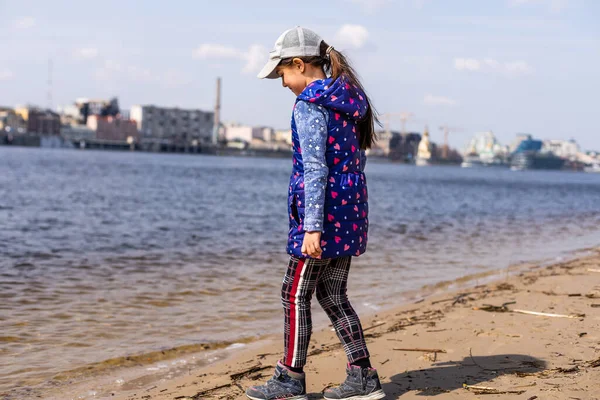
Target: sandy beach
[{"x": 462, "y": 344}]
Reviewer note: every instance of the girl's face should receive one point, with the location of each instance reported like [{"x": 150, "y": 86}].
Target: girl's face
[{"x": 292, "y": 77}]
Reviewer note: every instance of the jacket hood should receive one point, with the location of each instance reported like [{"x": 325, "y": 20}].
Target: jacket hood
[{"x": 339, "y": 96}]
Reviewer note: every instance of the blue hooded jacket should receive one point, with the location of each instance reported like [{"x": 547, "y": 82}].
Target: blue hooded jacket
[{"x": 346, "y": 209}]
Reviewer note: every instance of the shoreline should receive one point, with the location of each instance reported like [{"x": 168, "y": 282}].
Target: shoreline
[
  {"x": 432, "y": 304},
  {"x": 497, "y": 364}
]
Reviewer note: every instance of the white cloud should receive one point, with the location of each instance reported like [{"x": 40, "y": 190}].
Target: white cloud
[
  {"x": 555, "y": 6},
  {"x": 512, "y": 68},
  {"x": 490, "y": 62},
  {"x": 6, "y": 74},
  {"x": 432, "y": 100},
  {"x": 254, "y": 57},
  {"x": 354, "y": 36},
  {"x": 518, "y": 67},
  {"x": 24, "y": 23},
  {"x": 469, "y": 64},
  {"x": 87, "y": 53}
]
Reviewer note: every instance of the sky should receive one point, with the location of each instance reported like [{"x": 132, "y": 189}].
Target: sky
[{"x": 509, "y": 66}]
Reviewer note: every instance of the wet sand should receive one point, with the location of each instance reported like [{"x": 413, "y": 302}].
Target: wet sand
[{"x": 457, "y": 345}]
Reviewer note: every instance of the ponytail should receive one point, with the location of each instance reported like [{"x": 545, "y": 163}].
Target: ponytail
[{"x": 336, "y": 65}]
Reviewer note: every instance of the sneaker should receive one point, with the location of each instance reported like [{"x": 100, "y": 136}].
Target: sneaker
[
  {"x": 284, "y": 384},
  {"x": 360, "y": 384}
]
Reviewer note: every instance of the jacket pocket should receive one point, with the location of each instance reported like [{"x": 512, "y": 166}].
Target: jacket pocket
[{"x": 294, "y": 210}]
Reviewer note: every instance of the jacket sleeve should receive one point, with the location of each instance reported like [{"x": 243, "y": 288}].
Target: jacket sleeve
[{"x": 311, "y": 123}]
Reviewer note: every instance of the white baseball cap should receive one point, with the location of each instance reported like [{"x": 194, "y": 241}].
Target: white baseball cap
[{"x": 295, "y": 42}]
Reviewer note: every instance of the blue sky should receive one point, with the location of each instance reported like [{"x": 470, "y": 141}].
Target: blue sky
[{"x": 503, "y": 65}]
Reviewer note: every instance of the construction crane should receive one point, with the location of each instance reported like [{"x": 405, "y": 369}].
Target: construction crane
[
  {"x": 403, "y": 116},
  {"x": 447, "y": 129}
]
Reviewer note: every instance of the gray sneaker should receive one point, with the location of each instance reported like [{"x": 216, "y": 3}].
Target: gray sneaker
[
  {"x": 360, "y": 384},
  {"x": 284, "y": 384}
]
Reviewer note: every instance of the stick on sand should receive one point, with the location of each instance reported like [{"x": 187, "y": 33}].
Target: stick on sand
[
  {"x": 548, "y": 314},
  {"x": 423, "y": 350},
  {"x": 489, "y": 390}
]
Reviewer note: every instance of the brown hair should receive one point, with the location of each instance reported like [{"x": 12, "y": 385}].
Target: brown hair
[{"x": 336, "y": 65}]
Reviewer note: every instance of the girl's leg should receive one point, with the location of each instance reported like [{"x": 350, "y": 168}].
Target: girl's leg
[
  {"x": 289, "y": 381},
  {"x": 331, "y": 294},
  {"x": 362, "y": 381},
  {"x": 298, "y": 286}
]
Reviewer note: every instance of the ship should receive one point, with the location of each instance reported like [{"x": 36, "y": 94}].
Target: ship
[
  {"x": 530, "y": 153},
  {"x": 594, "y": 168}
]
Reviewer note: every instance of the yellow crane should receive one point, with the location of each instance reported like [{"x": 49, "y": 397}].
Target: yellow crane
[
  {"x": 447, "y": 129},
  {"x": 402, "y": 116}
]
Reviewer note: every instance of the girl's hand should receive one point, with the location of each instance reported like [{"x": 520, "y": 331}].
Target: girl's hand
[{"x": 311, "y": 246}]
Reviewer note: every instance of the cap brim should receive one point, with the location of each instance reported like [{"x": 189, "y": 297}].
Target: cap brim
[{"x": 268, "y": 70}]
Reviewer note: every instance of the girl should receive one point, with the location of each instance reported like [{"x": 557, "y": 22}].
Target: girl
[{"x": 332, "y": 125}]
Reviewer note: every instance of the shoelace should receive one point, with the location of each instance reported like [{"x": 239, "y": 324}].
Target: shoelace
[
  {"x": 363, "y": 381},
  {"x": 278, "y": 377},
  {"x": 364, "y": 372}
]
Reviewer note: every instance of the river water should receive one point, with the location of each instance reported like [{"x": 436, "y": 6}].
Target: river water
[{"x": 112, "y": 254}]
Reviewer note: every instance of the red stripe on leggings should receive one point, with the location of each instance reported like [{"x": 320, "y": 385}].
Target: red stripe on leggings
[{"x": 292, "y": 300}]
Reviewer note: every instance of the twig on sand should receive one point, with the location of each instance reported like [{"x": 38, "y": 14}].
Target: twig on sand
[
  {"x": 199, "y": 394},
  {"x": 492, "y": 308},
  {"x": 239, "y": 375},
  {"x": 456, "y": 299},
  {"x": 594, "y": 363},
  {"x": 375, "y": 326},
  {"x": 549, "y": 314},
  {"x": 422, "y": 350},
  {"x": 567, "y": 370},
  {"x": 593, "y": 270},
  {"x": 489, "y": 390}
]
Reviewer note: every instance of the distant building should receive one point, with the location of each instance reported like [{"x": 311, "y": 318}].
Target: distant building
[
  {"x": 567, "y": 149},
  {"x": 173, "y": 123},
  {"x": 113, "y": 128},
  {"x": 283, "y": 135},
  {"x": 70, "y": 115},
  {"x": 404, "y": 146},
  {"x": 77, "y": 132},
  {"x": 10, "y": 121},
  {"x": 246, "y": 133},
  {"x": 38, "y": 121},
  {"x": 78, "y": 112}
]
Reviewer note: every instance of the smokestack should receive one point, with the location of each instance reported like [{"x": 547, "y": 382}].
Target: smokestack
[
  {"x": 217, "y": 122},
  {"x": 49, "y": 84}
]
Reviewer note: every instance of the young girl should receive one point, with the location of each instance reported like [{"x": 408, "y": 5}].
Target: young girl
[{"x": 332, "y": 125}]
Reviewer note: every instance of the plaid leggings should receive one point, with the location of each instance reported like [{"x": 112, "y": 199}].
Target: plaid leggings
[{"x": 329, "y": 277}]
